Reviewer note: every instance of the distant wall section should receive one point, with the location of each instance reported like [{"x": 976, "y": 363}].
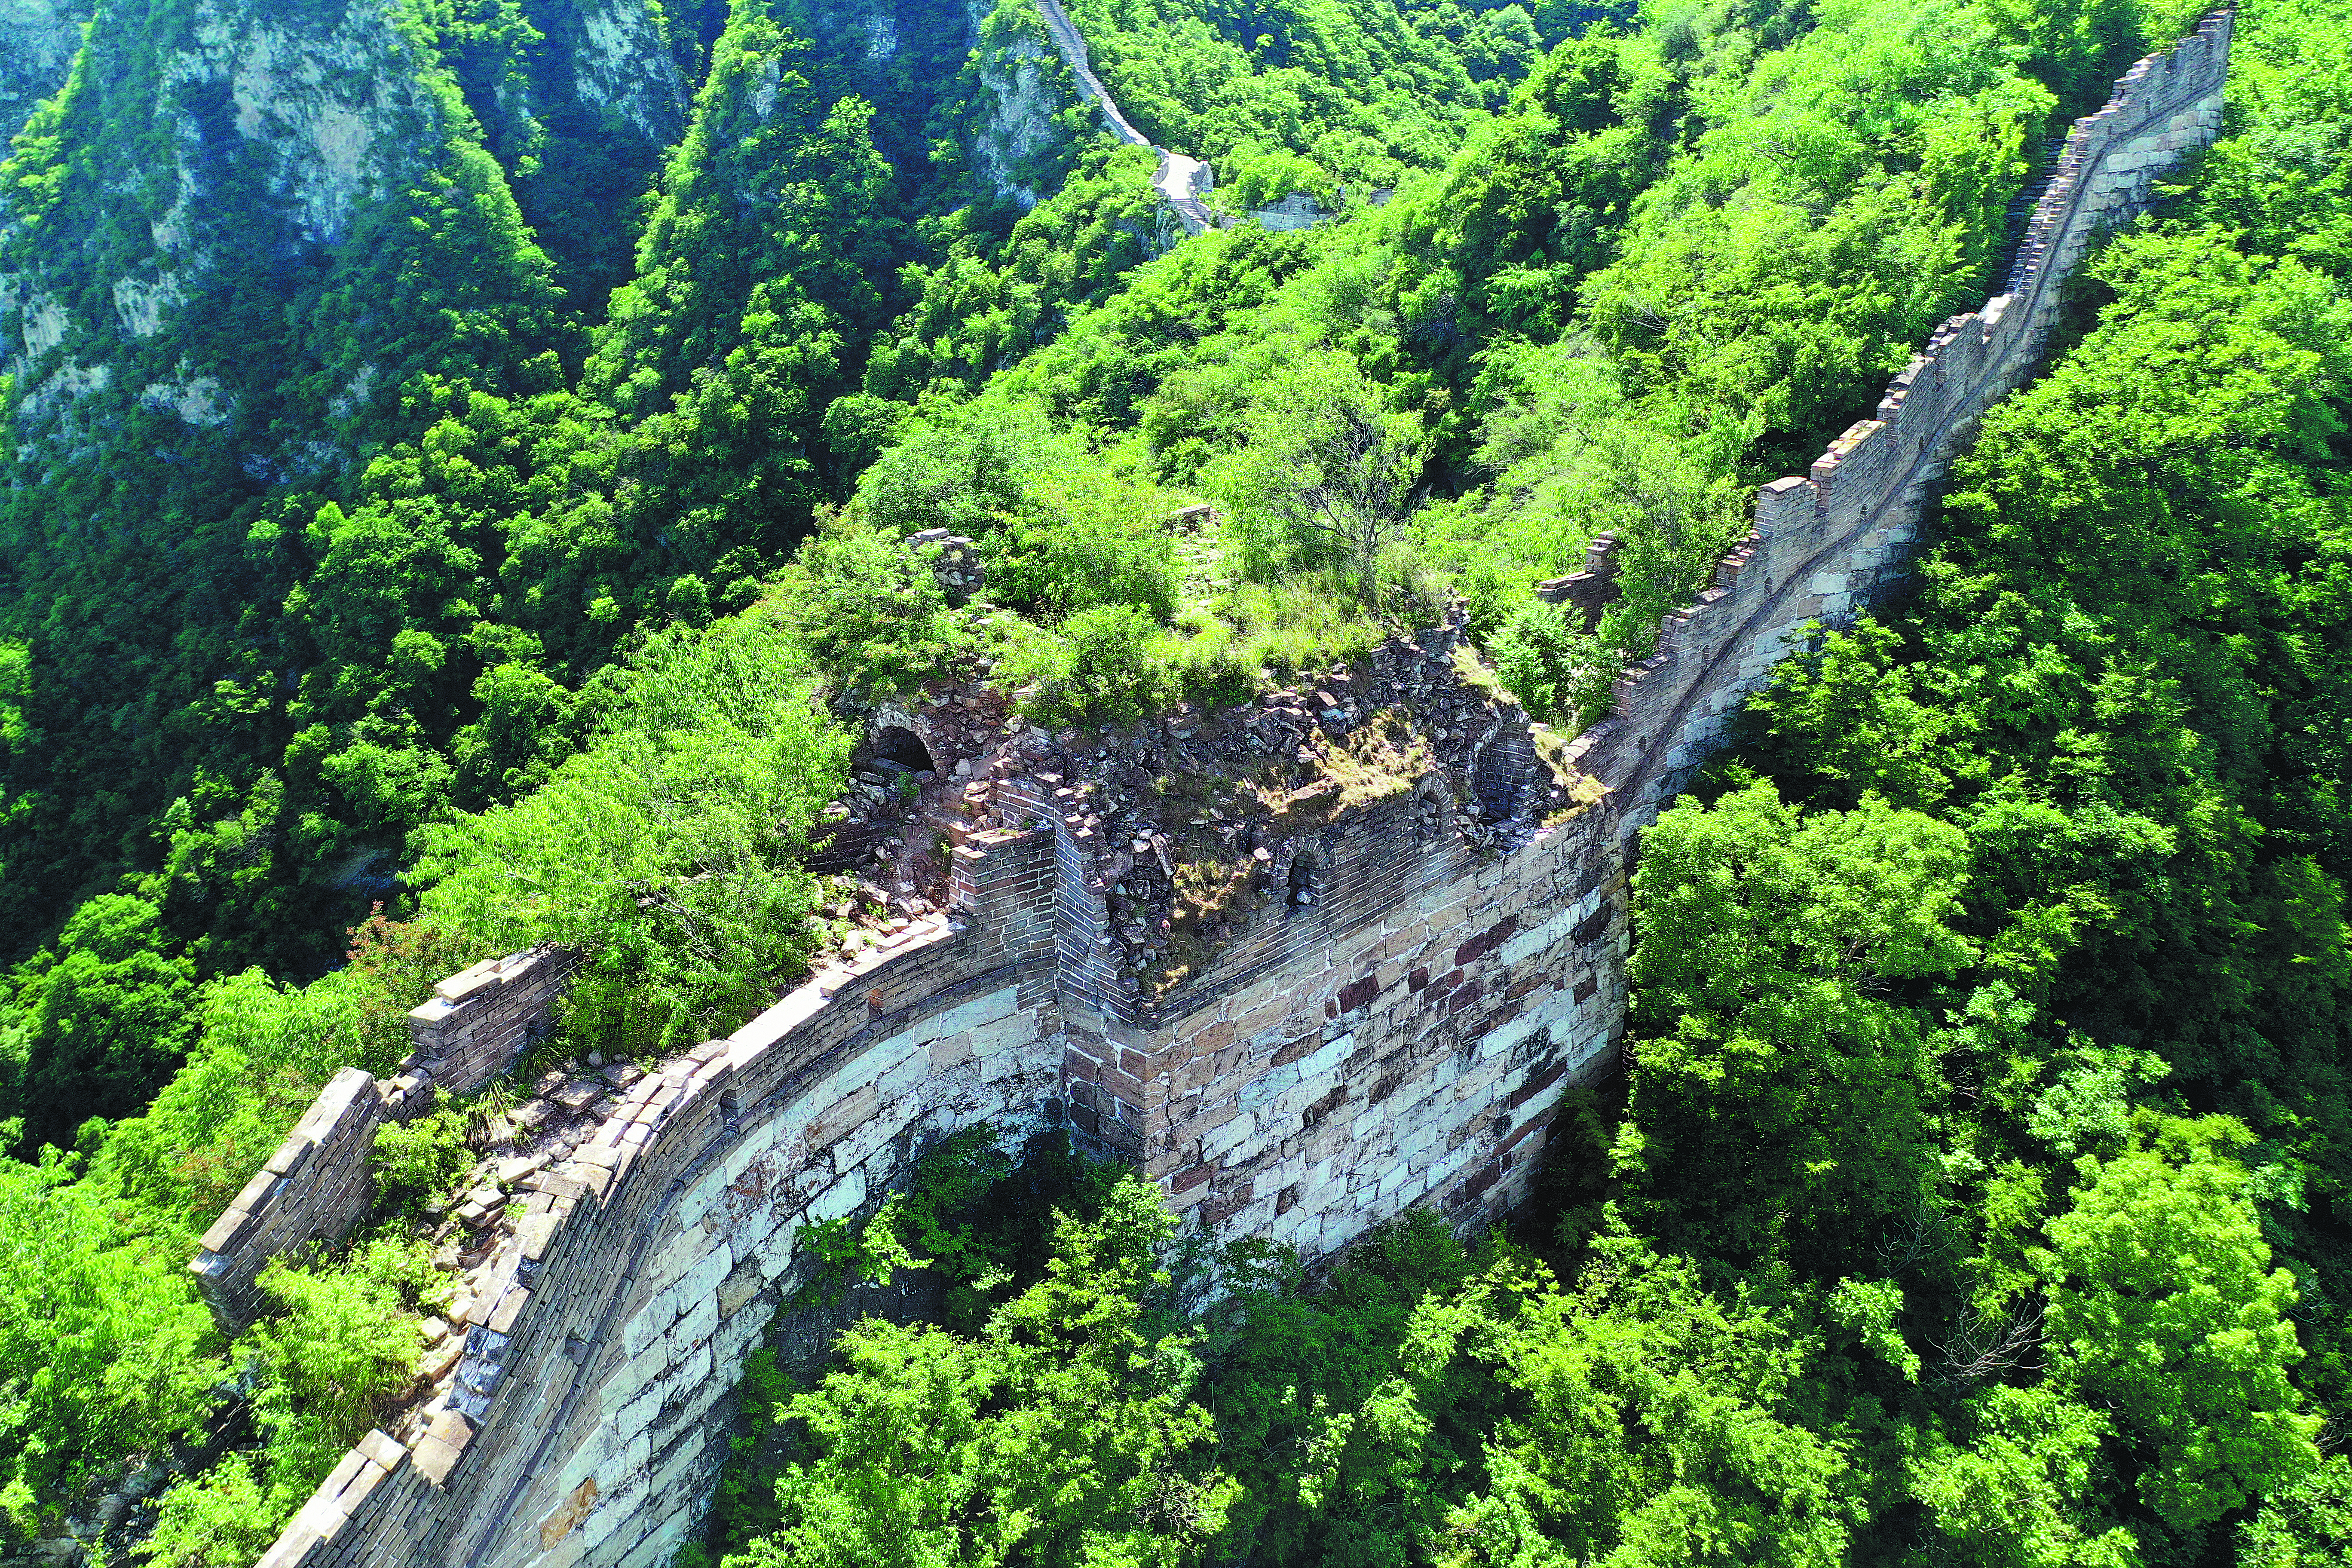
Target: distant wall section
[{"x": 1180, "y": 181}]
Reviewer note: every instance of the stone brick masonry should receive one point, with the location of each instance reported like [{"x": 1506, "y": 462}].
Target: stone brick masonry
[
  {"x": 1401, "y": 983},
  {"x": 315, "y": 1188}
]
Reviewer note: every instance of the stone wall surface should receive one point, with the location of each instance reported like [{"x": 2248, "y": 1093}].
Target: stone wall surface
[
  {"x": 1400, "y": 1042},
  {"x": 1366, "y": 992},
  {"x": 313, "y": 1189},
  {"x": 478, "y": 1020}
]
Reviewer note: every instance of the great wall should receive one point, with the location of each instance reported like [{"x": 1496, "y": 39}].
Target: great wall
[
  {"x": 1181, "y": 180},
  {"x": 1354, "y": 977}
]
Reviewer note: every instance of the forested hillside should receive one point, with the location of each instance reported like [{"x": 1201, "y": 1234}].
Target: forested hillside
[{"x": 462, "y": 456}]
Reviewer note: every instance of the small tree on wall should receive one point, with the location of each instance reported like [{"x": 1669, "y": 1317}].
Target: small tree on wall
[{"x": 1328, "y": 477}]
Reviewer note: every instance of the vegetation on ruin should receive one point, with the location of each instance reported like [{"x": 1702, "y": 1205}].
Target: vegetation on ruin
[{"x": 1977, "y": 1192}]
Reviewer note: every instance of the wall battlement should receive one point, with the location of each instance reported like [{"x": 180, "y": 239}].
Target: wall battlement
[
  {"x": 316, "y": 1187},
  {"x": 1826, "y": 541},
  {"x": 1403, "y": 975}
]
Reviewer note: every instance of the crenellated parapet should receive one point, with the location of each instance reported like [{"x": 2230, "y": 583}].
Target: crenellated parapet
[{"x": 1826, "y": 542}]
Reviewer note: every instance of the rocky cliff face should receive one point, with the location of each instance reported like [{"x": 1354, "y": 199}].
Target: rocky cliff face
[
  {"x": 254, "y": 218},
  {"x": 581, "y": 118},
  {"x": 38, "y": 39},
  {"x": 622, "y": 63},
  {"x": 190, "y": 207},
  {"x": 1024, "y": 86},
  {"x": 333, "y": 103},
  {"x": 1018, "y": 121}
]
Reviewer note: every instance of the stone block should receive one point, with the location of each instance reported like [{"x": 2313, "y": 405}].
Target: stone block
[
  {"x": 694, "y": 1326},
  {"x": 681, "y": 1254},
  {"x": 642, "y": 1329},
  {"x": 740, "y": 1287},
  {"x": 964, "y": 1017},
  {"x": 702, "y": 1279},
  {"x": 851, "y": 1111},
  {"x": 859, "y": 1146},
  {"x": 897, "y": 1076},
  {"x": 838, "y": 1200}
]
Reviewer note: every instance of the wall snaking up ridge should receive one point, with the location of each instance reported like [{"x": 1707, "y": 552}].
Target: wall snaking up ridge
[
  {"x": 1181, "y": 180},
  {"x": 1825, "y": 542},
  {"x": 1413, "y": 968}
]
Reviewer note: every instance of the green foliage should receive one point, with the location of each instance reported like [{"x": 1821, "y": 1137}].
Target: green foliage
[
  {"x": 1424, "y": 1406},
  {"x": 1102, "y": 667},
  {"x": 344, "y": 1342},
  {"x": 418, "y": 1162},
  {"x": 2271, "y": 177},
  {"x": 668, "y": 852},
  {"x": 262, "y": 1052},
  {"x": 2164, "y": 1311},
  {"x": 713, "y": 268},
  {"x": 929, "y": 1224},
  {"x": 1782, "y": 1092},
  {"x": 745, "y": 1506},
  {"x": 2015, "y": 1481},
  {"x": 2125, "y": 1306},
  {"x": 1629, "y": 1389},
  {"x": 1556, "y": 671},
  {"x": 1843, "y": 198},
  {"x": 1325, "y": 477},
  {"x": 1061, "y": 528},
  {"x": 872, "y": 617},
  {"x": 2303, "y": 1525},
  {"x": 1084, "y": 540},
  {"x": 342, "y": 1345},
  {"x": 102, "y": 1017},
  {"x": 104, "y": 1350},
  {"x": 992, "y": 300},
  {"x": 1063, "y": 1433},
  {"x": 956, "y": 474}
]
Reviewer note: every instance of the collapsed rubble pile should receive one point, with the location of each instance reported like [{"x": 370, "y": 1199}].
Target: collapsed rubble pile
[
  {"x": 1186, "y": 827},
  {"x": 1186, "y": 824},
  {"x": 482, "y": 1238}
]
